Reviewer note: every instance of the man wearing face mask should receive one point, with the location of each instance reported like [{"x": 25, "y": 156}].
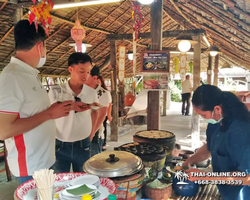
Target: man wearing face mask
[
  {"x": 26, "y": 115},
  {"x": 228, "y": 136}
]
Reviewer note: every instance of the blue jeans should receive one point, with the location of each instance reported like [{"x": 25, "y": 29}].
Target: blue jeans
[
  {"x": 75, "y": 153},
  {"x": 21, "y": 180},
  {"x": 96, "y": 147}
]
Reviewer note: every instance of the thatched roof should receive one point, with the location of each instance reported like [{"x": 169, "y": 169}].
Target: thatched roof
[{"x": 226, "y": 22}]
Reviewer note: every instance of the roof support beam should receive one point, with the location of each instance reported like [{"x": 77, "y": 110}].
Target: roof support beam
[{"x": 166, "y": 34}]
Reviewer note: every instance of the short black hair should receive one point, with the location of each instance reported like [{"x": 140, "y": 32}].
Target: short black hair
[
  {"x": 26, "y": 36},
  {"x": 78, "y": 57},
  {"x": 95, "y": 71}
]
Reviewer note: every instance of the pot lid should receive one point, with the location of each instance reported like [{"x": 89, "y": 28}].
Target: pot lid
[{"x": 113, "y": 164}]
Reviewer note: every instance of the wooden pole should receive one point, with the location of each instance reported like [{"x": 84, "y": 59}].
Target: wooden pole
[
  {"x": 164, "y": 113},
  {"x": 216, "y": 70},
  {"x": 114, "y": 123},
  {"x": 18, "y": 14},
  {"x": 153, "y": 111},
  {"x": 209, "y": 70},
  {"x": 195, "y": 121}
]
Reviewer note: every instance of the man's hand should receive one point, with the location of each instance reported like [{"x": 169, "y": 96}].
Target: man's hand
[
  {"x": 110, "y": 118},
  {"x": 80, "y": 106},
  {"x": 58, "y": 110}
]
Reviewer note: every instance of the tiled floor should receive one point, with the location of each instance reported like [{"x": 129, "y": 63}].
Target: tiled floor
[{"x": 174, "y": 122}]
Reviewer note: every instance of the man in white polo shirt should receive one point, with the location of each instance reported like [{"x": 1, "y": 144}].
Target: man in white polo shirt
[
  {"x": 186, "y": 95},
  {"x": 73, "y": 137},
  {"x": 26, "y": 114}
]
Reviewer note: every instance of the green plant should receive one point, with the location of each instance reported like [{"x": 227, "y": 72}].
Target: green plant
[
  {"x": 175, "y": 97},
  {"x": 139, "y": 87}
]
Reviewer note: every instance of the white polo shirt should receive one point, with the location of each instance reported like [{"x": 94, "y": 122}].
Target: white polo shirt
[
  {"x": 75, "y": 126},
  {"x": 105, "y": 99},
  {"x": 21, "y": 92},
  {"x": 186, "y": 86},
  {"x": 104, "y": 96}
]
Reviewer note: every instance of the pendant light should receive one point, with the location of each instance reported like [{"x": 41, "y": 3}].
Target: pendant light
[
  {"x": 213, "y": 50},
  {"x": 184, "y": 41},
  {"x": 146, "y": 2}
]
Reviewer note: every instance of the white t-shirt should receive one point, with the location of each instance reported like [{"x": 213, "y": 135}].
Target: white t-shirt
[
  {"x": 21, "y": 92},
  {"x": 75, "y": 126},
  {"x": 105, "y": 99},
  {"x": 186, "y": 86}
]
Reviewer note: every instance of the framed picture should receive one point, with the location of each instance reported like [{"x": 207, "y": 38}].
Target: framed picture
[
  {"x": 155, "y": 81},
  {"x": 155, "y": 61}
]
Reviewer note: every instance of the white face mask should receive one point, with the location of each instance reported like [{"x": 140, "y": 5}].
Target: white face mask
[
  {"x": 42, "y": 61},
  {"x": 212, "y": 121}
]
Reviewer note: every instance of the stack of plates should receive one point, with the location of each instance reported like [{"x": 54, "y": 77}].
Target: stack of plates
[
  {"x": 86, "y": 179},
  {"x": 77, "y": 191}
]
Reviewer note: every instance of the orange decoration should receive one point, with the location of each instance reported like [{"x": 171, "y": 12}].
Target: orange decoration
[
  {"x": 41, "y": 13},
  {"x": 78, "y": 34}
]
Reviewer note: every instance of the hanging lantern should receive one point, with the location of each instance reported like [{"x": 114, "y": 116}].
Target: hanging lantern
[
  {"x": 78, "y": 34},
  {"x": 176, "y": 65},
  {"x": 191, "y": 66}
]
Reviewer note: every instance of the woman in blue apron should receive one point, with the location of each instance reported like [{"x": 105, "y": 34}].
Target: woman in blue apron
[{"x": 228, "y": 136}]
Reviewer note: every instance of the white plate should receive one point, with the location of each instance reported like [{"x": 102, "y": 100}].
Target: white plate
[
  {"x": 28, "y": 190},
  {"x": 87, "y": 179}
]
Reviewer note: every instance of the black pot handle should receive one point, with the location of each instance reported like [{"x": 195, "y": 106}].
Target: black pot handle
[{"x": 112, "y": 158}]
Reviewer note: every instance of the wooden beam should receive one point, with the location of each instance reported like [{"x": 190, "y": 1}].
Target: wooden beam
[
  {"x": 166, "y": 34},
  {"x": 115, "y": 107},
  {"x": 18, "y": 15},
  {"x": 51, "y": 75},
  {"x": 209, "y": 70},
  {"x": 3, "y": 5},
  {"x": 6, "y": 34},
  {"x": 73, "y": 23},
  {"x": 216, "y": 70},
  {"x": 153, "y": 109},
  {"x": 195, "y": 121}
]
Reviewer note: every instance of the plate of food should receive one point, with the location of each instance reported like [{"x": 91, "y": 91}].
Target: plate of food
[{"x": 149, "y": 65}]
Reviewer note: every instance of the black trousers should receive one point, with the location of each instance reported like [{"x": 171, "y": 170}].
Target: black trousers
[
  {"x": 105, "y": 131},
  {"x": 185, "y": 100}
]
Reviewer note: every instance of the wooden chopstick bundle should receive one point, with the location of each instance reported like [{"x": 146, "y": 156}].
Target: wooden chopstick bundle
[{"x": 44, "y": 179}]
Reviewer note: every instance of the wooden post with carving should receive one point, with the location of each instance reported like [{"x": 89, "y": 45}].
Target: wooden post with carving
[
  {"x": 195, "y": 121},
  {"x": 216, "y": 70},
  {"x": 209, "y": 70},
  {"x": 153, "y": 114},
  {"x": 114, "y": 123}
]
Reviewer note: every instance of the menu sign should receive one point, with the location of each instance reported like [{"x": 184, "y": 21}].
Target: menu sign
[
  {"x": 155, "y": 81},
  {"x": 155, "y": 61}
]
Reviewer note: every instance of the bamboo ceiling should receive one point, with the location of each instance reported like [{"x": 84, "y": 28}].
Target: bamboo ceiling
[{"x": 226, "y": 22}]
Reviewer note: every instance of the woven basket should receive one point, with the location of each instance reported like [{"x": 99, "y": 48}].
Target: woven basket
[{"x": 158, "y": 194}]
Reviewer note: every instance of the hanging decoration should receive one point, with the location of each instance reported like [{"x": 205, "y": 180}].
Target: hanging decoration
[
  {"x": 78, "y": 33},
  {"x": 191, "y": 64},
  {"x": 41, "y": 13},
  {"x": 176, "y": 65},
  {"x": 122, "y": 56},
  {"x": 183, "y": 61},
  {"x": 137, "y": 17}
]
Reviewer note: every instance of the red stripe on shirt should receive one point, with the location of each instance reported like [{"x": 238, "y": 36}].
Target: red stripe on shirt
[
  {"x": 21, "y": 154},
  {"x": 6, "y": 112}
]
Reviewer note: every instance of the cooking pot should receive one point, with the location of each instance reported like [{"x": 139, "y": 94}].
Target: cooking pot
[
  {"x": 113, "y": 164},
  {"x": 124, "y": 168},
  {"x": 159, "y": 137}
]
